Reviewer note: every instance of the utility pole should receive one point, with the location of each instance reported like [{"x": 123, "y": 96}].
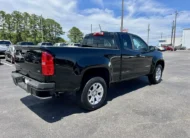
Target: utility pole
[
  {"x": 100, "y": 28},
  {"x": 148, "y": 33},
  {"x": 91, "y": 28},
  {"x": 122, "y": 15},
  {"x": 42, "y": 30},
  {"x": 176, "y": 13},
  {"x": 172, "y": 33}
]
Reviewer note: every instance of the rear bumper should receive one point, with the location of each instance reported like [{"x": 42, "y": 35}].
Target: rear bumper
[
  {"x": 2, "y": 55},
  {"x": 35, "y": 88}
]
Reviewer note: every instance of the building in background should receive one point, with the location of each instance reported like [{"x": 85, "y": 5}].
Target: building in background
[
  {"x": 167, "y": 41},
  {"x": 186, "y": 38}
]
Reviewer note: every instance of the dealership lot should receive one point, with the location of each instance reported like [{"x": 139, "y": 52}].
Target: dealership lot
[{"x": 134, "y": 108}]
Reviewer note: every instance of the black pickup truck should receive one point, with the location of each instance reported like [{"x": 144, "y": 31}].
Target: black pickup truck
[{"x": 103, "y": 58}]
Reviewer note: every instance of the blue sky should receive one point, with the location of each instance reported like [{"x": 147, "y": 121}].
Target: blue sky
[{"x": 82, "y": 13}]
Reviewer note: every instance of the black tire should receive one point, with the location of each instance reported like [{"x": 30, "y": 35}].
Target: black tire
[
  {"x": 6, "y": 58},
  {"x": 152, "y": 77},
  {"x": 82, "y": 95},
  {"x": 12, "y": 60}
]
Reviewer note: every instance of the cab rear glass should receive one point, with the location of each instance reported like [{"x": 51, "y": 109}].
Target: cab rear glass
[{"x": 100, "y": 41}]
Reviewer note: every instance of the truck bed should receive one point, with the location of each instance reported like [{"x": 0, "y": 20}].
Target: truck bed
[{"x": 70, "y": 63}]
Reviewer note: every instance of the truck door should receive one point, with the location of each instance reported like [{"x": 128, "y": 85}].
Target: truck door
[
  {"x": 144, "y": 56},
  {"x": 133, "y": 60}
]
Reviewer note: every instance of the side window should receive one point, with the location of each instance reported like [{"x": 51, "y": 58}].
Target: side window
[
  {"x": 139, "y": 44},
  {"x": 126, "y": 41},
  {"x": 106, "y": 41}
]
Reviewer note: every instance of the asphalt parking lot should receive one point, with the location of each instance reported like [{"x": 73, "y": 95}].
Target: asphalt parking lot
[{"x": 135, "y": 109}]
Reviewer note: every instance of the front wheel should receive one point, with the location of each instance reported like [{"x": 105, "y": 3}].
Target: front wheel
[
  {"x": 93, "y": 95},
  {"x": 156, "y": 77}
]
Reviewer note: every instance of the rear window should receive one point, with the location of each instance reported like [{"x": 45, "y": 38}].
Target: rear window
[
  {"x": 46, "y": 44},
  {"x": 63, "y": 44},
  {"x": 76, "y": 44},
  {"x": 26, "y": 43},
  {"x": 105, "y": 41},
  {"x": 5, "y": 43}
]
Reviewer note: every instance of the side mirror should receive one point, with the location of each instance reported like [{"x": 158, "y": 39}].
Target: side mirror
[{"x": 152, "y": 48}]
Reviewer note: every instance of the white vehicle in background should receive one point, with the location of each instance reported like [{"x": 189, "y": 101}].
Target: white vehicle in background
[
  {"x": 60, "y": 44},
  {"x": 45, "y": 44},
  {"x": 10, "y": 54},
  {"x": 74, "y": 45},
  {"x": 160, "y": 48},
  {"x": 4, "y": 45}
]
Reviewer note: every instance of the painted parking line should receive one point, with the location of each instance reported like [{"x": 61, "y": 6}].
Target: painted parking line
[{"x": 7, "y": 64}]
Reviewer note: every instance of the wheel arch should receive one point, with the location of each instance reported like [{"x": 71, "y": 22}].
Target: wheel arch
[
  {"x": 161, "y": 62},
  {"x": 100, "y": 71}
]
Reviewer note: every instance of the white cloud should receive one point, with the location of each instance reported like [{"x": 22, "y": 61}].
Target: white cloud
[
  {"x": 99, "y": 2},
  {"x": 138, "y": 15}
]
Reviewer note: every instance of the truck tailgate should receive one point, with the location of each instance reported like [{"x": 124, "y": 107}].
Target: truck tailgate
[{"x": 28, "y": 62}]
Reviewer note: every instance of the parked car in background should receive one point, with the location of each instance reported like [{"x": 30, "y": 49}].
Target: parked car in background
[
  {"x": 102, "y": 59},
  {"x": 180, "y": 48},
  {"x": 5, "y": 42},
  {"x": 159, "y": 48},
  {"x": 45, "y": 44},
  {"x": 2, "y": 52},
  {"x": 4, "y": 45},
  {"x": 25, "y": 43},
  {"x": 10, "y": 54},
  {"x": 60, "y": 44},
  {"x": 168, "y": 48},
  {"x": 74, "y": 45}
]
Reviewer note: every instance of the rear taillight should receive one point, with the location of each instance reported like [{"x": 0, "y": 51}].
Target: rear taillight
[
  {"x": 47, "y": 64},
  {"x": 98, "y": 34}
]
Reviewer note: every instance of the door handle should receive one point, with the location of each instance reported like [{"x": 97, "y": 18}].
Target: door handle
[{"x": 139, "y": 55}]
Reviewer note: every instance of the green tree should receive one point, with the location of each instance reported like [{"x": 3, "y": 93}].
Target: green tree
[
  {"x": 57, "y": 31},
  {"x": 60, "y": 40},
  {"x": 26, "y": 28},
  {"x": 9, "y": 26},
  {"x": 75, "y": 35},
  {"x": 53, "y": 30},
  {"x": 18, "y": 24},
  {"x": 34, "y": 28},
  {"x": 49, "y": 30},
  {"x": 2, "y": 24}
]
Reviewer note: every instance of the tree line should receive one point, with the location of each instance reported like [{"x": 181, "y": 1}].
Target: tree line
[{"x": 18, "y": 27}]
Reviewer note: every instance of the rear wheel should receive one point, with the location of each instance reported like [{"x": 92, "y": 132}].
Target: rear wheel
[
  {"x": 6, "y": 58},
  {"x": 93, "y": 95},
  {"x": 12, "y": 60},
  {"x": 156, "y": 77}
]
